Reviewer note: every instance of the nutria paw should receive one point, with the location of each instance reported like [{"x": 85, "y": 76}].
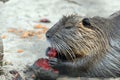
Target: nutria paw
[
  {"x": 55, "y": 63},
  {"x": 41, "y": 70}
]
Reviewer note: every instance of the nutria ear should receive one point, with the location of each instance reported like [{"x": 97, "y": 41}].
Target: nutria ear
[{"x": 86, "y": 22}]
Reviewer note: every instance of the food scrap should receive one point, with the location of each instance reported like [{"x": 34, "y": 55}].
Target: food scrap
[
  {"x": 20, "y": 51},
  {"x": 3, "y": 36},
  {"x": 38, "y": 26},
  {"x": 27, "y": 34},
  {"x": 41, "y": 30},
  {"x": 44, "y": 29},
  {"x": 45, "y": 20},
  {"x": 12, "y": 30},
  {"x": 43, "y": 62},
  {"x": 51, "y": 52}
]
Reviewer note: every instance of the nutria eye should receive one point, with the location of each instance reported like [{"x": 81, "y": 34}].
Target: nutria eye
[
  {"x": 68, "y": 27},
  {"x": 86, "y": 22}
]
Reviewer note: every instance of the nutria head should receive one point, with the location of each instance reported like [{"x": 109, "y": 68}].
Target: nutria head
[{"x": 77, "y": 37}]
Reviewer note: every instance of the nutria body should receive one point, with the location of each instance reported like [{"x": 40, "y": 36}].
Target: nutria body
[{"x": 91, "y": 46}]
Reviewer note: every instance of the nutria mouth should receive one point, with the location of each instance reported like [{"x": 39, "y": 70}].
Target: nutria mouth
[{"x": 58, "y": 54}]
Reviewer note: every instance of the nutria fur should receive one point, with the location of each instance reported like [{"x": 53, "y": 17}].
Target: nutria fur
[{"x": 91, "y": 46}]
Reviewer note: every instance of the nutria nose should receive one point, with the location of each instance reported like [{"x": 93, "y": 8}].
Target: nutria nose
[{"x": 47, "y": 35}]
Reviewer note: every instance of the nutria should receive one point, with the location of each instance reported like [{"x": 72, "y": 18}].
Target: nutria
[
  {"x": 91, "y": 46},
  {"x": 86, "y": 47}
]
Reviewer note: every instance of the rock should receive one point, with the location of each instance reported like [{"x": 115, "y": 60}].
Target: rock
[{"x": 1, "y": 56}]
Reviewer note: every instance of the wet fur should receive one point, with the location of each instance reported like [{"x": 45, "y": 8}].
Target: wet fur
[{"x": 92, "y": 51}]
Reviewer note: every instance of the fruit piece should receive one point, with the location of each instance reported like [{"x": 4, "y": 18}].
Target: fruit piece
[
  {"x": 38, "y": 26},
  {"x": 45, "y": 20},
  {"x": 44, "y": 28},
  {"x": 51, "y": 52},
  {"x": 28, "y": 33},
  {"x": 11, "y": 30},
  {"x": 43, "y": 63},
  {"x": 31, "y": 33},
  {"x": 25, "y": 35},
  {"x": 20, "y": 51},
  {"x": 3, "y": 36}
]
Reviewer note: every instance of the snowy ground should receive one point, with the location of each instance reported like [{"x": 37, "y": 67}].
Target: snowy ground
[{"x": 25, "y": 14}]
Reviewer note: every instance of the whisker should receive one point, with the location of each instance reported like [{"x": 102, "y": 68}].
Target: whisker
[{"x": 68, "y": 50}]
